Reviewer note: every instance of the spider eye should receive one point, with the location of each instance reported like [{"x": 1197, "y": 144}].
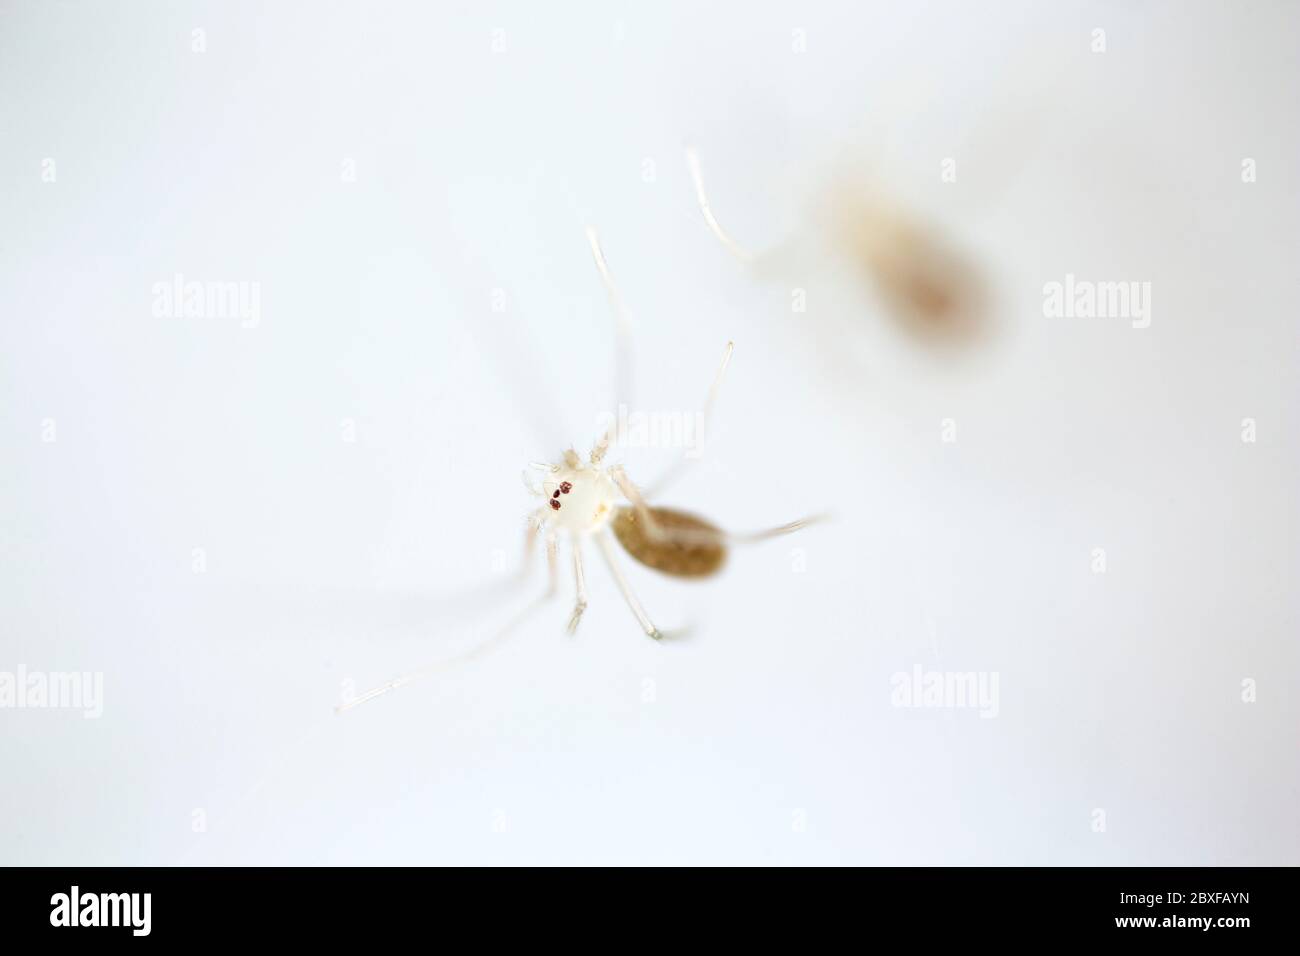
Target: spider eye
[
  {"x": 565, "y": 487},
  {"x": 555, "y": 505}
]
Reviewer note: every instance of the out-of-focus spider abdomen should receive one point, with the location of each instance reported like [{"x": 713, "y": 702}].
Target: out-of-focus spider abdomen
[
  {"x": 681, "y": 544},
  {"x": 931, "y": 288}
]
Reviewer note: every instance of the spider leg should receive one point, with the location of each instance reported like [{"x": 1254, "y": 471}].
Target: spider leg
[
  {"x": 750, "y": 537},
  {"x": 685, "y": 536},
  {"x": 633, "y": 495},
  {"x": 697, "y": 177},
  {"x": 693, "y": 454},
  {"x": 622, "y": 347},
  {"x": 490, "y": 644},
  {"x": 580, "y": 603},
  {"x": 607, "y": 551}
]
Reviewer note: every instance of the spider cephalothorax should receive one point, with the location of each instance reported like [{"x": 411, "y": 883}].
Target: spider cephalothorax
[{"x": 580, "y": 496}]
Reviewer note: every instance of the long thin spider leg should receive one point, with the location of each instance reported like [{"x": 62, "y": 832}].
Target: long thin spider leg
[
  {"x": 607, "y": 552},
  {"x": 580, "y": 602},
  {"x": 693, "y": 454},
  {"x": 530, "y": 543},
  {"x": 749, "y": 537},
  {"x": 622, "y": 348},
  {"x": 552, "y": 567},
  {"x": 494, "y": 589},
  {"x": 697, "y": 177},
  {"x": 490, "y": 644},
  {"x": 688, "y": 536}
]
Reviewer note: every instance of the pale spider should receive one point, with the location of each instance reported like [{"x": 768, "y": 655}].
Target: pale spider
[
  {"x": 933, "y": 289},
  {"x": 582, "y": 503}
]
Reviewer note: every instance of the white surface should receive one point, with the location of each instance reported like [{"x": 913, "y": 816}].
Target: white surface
[{"x": 477, "y": 171}]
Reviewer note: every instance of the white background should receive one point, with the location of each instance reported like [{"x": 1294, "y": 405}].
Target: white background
[{"x": 771, "y": 737}]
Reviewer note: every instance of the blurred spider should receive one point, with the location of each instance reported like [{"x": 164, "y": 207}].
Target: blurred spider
[{"x": 933, "y": 290}]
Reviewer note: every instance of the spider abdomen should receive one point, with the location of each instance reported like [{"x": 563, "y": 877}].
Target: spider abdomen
[{"x": 681, "y": 544}]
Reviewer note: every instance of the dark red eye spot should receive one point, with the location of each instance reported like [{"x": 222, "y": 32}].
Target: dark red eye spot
[
  {"x": 556, "y": 495},
  {"x": 555, "y": 504},
  {"x": 566, "y": 487}
]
